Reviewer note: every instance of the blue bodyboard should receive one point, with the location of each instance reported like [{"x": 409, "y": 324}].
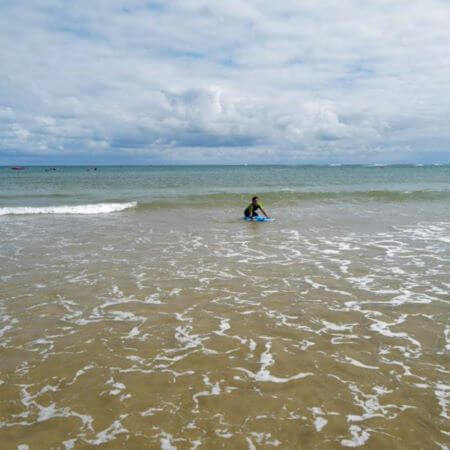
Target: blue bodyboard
[{"x": 258, "y": 219}]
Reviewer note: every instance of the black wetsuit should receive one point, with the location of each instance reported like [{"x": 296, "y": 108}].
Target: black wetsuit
[{"x": 250, "y": 211}]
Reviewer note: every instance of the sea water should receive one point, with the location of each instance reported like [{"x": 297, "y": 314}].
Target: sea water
[{"x": 138, "y": 309}]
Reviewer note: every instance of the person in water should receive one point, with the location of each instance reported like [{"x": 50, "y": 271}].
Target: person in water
[{"x": 251, "y": 209}]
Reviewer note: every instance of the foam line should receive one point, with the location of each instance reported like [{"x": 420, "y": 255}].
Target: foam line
[{"x": 97, "y": 208}]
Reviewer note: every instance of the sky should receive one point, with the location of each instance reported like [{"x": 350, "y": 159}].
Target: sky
[{"x": 224, "y": 82}]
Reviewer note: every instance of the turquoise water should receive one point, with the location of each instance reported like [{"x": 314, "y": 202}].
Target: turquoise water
[{"x": 212, "y": 185}]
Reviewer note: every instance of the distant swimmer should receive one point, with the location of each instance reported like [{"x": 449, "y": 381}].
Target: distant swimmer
[{"x": 250, "y": 211}]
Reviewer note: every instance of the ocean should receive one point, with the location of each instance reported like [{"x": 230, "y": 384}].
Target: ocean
[{"x": 138, "y": 309}]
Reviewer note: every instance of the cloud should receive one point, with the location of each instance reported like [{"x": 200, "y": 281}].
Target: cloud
[{"x": 195, "y": 81}]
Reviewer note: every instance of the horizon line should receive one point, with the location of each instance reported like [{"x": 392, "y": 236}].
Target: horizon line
[{"x": 229, "y": 164}]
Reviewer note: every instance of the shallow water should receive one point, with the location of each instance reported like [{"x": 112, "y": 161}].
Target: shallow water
[{"x": 190, "y": 328}]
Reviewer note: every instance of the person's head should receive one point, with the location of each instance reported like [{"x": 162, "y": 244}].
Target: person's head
[{"x": 255, "y": 200}]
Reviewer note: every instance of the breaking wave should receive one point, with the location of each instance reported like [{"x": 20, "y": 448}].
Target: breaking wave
[
  {"x": 96, "y": 208},
  {"x": 231, "y": 199}
]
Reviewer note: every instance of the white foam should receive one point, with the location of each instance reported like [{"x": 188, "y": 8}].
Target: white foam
[
  {"x": 266, "y": 360},
  {"x": 183, "y": 335},
  {"x": 69, "y": 444},
  {"x": 359, "y": 437},
  {"x": 224, "y": 434},
  {"x": 5, "y": 329},
  {"x": 118, "y": 387},
  {"x": 133, "y": 333},
  {"x": 410, "y": 297},
  {"x": 371, "y": 406},
  {"x": 109, "y": 433},
  {"x": 96, "y": 208},
  {"x": 214, "y": 390},
  {"x": 224, "y": 326},
  {"x": 151, "y": 411},
  {"x": 48, "y": 412},
  {"x": 153, "y": 299},
  {"x": 384, "y": 329},
  {"x": 336, "y": 327},
  {"x": 251, "y": 445},
  {"x": 265, "y": 439},
  {"x": 196, "y": 444},
  {"x": 319, "y": 423},
  {"x": 447, "y": 337},
  {"x": 82, "y": 371},
  {"x": 357, "y": 363},
  {"x": 166, "y": 442},
  {"x": 443, "y": 394},
  {"x": 305, "y": 344}
]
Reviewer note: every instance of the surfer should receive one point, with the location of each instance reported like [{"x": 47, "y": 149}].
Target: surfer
[{"x": 251, "y": 209}]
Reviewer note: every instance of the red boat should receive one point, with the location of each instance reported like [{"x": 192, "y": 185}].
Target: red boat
[{"x": 18, "y": 168}]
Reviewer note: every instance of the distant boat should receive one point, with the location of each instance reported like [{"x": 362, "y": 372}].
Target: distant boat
[{"x": 18, "y": 168}]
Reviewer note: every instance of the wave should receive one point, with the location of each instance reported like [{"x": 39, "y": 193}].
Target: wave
[
  {"x": 286, "y": 197},
  {"x": 28, "y": 195},
  {"x": 95, "y": 208},
  {"x": 279, "y": 198}
]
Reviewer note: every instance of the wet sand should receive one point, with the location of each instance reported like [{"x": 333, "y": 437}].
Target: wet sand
[{"x": 142, "y": 331}]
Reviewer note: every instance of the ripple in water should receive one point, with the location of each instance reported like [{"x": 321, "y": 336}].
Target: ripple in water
[{"x": 144, "y": 333}]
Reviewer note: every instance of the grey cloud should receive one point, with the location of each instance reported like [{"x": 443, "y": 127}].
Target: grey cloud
[{"x": 228, "y": 81}]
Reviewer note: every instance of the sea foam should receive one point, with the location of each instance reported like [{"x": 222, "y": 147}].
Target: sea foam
[{"x": 95, "y": 208}]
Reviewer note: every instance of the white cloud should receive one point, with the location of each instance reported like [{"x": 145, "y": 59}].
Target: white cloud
[{"x": 231, "y": 81}]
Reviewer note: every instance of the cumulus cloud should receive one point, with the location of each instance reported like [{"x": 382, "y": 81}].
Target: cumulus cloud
[{"x": 196, "y": 81}]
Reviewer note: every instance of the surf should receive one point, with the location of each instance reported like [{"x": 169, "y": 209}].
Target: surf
[{"x": 94, "y": 208}]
